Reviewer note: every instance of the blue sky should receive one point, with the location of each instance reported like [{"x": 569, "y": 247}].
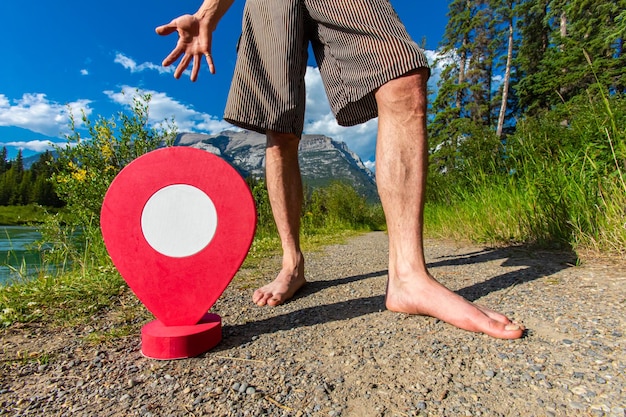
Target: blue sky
[{"x": 84, "y": 54}]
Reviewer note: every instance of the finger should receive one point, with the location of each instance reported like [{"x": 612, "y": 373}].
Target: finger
[
  {"x": 209, "y": 61},
  {"x": 196, "y": 68},
  {"x": 172, "y": 57},
  {"x": 184, "y": 63},
  {"x": 167, "y": 29}
]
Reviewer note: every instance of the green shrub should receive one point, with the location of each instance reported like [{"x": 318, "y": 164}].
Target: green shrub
[{"x": 86, "y": 168}]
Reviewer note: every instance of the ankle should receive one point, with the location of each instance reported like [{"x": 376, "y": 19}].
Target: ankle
[
  {"x": 293, "y": 260},
  {"x": 407, "y": 272}
]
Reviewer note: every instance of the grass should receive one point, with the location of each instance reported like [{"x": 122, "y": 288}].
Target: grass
[
  {"x": 562, "y": 185},
  {"x": 513, "y": 212},
  {"x": 21, "y": 215},
  {"x": 73, "y": 296},
  {"x": 64, "y": 298}
]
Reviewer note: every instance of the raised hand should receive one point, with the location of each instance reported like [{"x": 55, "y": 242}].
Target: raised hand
[{"x": 194, "y": 42}]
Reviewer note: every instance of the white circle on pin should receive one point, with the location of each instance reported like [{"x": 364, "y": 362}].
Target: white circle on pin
[{"x": 179, "y": 220}]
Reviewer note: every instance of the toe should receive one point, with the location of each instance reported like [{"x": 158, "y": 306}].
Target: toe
[
  {"x": 261, "y": 298},
  {"x": 494, "y": 315},
  {"x": 257, "y": 296},
  {"x": 505, "y": 331},
  {"x": 274, "y": 301}
]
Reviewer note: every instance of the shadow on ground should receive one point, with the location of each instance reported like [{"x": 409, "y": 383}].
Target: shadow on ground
[{"x": 533, "y": 265}]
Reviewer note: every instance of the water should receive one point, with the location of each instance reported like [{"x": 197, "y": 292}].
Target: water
[{"x": 15, "y": 253}]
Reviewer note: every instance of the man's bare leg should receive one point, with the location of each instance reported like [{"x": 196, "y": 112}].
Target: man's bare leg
[
  {"x": 401, "y": 168},
  {"x": 284, "y": 186}
]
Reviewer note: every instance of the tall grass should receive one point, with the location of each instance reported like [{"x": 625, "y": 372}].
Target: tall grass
[
  {"x": 561, "y": 184},
  {"x": 328, "y": 214}
]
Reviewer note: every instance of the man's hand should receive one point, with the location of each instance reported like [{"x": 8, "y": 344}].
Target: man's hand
[{"x": 194, "y": 42}]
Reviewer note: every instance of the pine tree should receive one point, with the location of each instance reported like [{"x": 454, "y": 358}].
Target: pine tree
[
  {"x": 465, "y": 98},
  {"x": 557, "y": 38},
  {"x": 480, "y": 67},
  {"x": 42, "y": 190},
  {"x": 4, "y": 163},
  {"x": 594, "y": 29},
  {"x": 449, "y": 104},
  {"x": 535, "y": 30}
]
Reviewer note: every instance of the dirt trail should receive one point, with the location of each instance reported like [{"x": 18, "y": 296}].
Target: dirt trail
[{"x": 335, "y": 351}]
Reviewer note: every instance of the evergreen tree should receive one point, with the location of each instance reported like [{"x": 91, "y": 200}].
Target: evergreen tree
[
  {"x": 18, "y": 165},
  {"x": 557, "y": 37},
  {"x": 480, "y": 67},
  {"x": 594, "y": 29},
  {"x": 19, "y": 186},
  {"x": 465, "y": 98},
  {"x": 17, "y": 170},
  {"x": 4, "y": 163},
  {"x": 42, "y": 189},
  {"x": 6, "y": 188},
  {"x": 534, "y": 32},
  {"x": 24, "y": 189},
  {"x": 449, "y": 106}
]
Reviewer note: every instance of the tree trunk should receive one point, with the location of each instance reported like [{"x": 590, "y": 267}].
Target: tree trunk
[{"x": 507, "y": 80}]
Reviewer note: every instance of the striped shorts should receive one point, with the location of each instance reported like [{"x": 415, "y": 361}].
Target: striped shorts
[{"x": 359, "y": 45}]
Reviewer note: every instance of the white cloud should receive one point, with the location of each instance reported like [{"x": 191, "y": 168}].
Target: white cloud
[
  {"x": 496, "y": 82},
  {"x": 131, "y": 65},
  {"x": 320, "y": 120},
  {"x": 35, "y": 112},
  {"x": 32, "y": 145},
  {"x": 163, "y": 107},
  {"x": 84, "y": 72},
  {"x": 438, "y": 62},
  {"x": 371, "y": 165}
]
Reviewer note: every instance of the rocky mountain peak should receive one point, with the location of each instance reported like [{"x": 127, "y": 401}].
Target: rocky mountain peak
[{"x": 322, "y": 159}]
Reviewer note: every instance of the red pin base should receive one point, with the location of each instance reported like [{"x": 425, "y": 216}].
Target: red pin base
[{"x": 159, "y": 341}]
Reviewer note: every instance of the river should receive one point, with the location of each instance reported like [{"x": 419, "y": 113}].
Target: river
[{"x": 15, "y": 252}]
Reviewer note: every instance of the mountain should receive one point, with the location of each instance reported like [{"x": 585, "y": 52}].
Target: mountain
[{"x": 322, "y": 159}]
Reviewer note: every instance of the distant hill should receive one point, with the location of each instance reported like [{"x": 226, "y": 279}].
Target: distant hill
[{"x": 322, "y": 159}]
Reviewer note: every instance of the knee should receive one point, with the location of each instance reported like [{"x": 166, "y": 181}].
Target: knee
[{"x": 405, "y": 93}]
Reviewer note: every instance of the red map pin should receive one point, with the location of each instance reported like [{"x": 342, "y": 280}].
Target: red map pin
[{"x": 178, "y": 223}]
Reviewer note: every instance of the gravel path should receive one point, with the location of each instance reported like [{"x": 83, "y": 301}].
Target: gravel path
[{"x": 335, "y": 351}]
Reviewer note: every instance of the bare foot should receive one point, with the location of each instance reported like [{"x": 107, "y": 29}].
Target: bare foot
[
  {"x": 426, "y": 296},
  {"x": 288, "y": 281}
]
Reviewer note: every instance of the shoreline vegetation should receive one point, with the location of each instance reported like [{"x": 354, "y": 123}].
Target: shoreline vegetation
[{"x": 28, "y": 215}]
